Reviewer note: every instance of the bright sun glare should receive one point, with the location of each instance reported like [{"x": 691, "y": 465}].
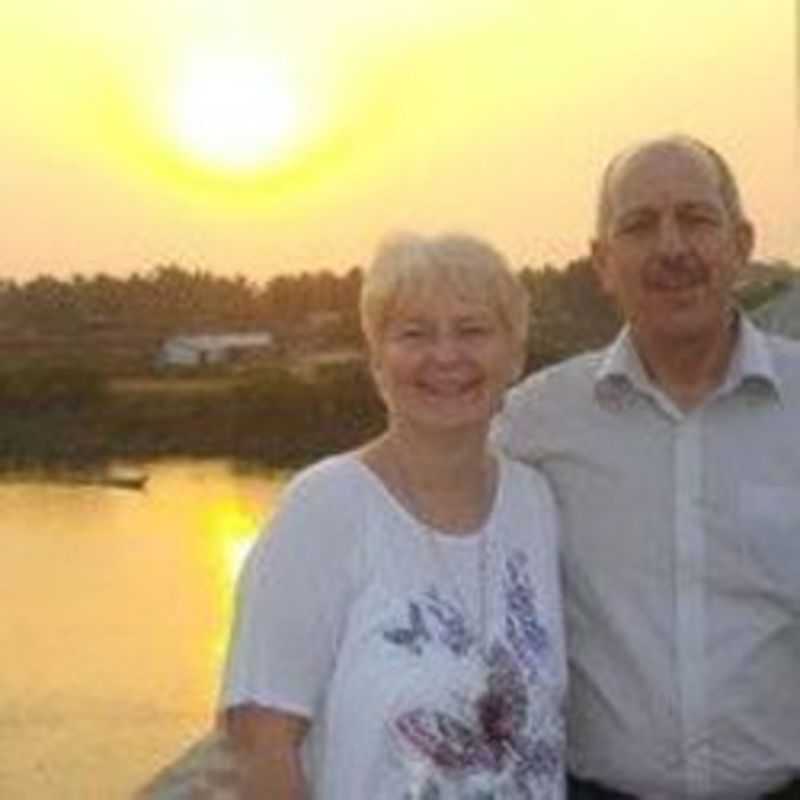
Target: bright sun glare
[{"x": 233, "y": 111}]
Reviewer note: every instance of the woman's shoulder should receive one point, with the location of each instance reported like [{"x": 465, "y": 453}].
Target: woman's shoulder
[
  {"x": 328, "y": 476},
  {"x": 336, "y": 495},
  {"x": 319, "y": 509}
]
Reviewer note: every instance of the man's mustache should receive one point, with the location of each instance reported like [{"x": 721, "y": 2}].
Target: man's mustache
[{"x": 674, "y": 274}]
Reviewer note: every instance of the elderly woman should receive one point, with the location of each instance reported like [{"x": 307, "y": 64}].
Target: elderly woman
[{"x": 398, "y": 633}]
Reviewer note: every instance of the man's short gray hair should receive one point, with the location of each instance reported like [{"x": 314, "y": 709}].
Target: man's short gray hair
[{"x": 728, "y": 188}]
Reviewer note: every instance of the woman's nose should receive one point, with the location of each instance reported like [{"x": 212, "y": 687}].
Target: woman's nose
[{"x": 446, "y": 347}]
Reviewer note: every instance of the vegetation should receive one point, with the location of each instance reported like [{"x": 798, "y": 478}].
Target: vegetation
[
  {"x": 69, "y": 415},
  {"x": 78, "y": 385}
]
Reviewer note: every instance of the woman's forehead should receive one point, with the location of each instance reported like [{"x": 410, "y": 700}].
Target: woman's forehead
[
  {"x": 430, "y": 300},
  {"x": 422, "y": 286}
]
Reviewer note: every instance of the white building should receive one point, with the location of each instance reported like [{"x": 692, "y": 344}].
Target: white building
[{"x": 213, "y": 348}]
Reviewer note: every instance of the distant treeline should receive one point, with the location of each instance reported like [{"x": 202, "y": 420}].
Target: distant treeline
[
  {"x": 168, "y": 299},
  {"x": 171, "y": 298}
]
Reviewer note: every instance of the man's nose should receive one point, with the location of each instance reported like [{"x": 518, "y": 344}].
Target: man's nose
[{"x": 671, "y": 239}]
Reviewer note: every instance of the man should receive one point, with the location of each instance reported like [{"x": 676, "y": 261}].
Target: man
[{"x": 675, "y": 457}]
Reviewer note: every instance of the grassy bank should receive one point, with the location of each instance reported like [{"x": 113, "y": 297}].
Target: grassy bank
[{"x": 270, "y": 416}]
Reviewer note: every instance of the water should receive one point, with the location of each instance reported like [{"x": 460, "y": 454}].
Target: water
[{"x": 114, "y": 611}]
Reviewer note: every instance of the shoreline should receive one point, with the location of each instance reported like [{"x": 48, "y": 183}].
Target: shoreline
[{"x": 271, "y": 418}]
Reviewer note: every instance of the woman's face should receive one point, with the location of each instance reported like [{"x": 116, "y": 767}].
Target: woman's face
[{"x": 443, "y": 361}]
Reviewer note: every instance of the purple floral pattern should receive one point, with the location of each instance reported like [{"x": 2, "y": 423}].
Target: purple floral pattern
[
  {"x": 413, "y": 635},
  {"x": 501, "y": 744}
]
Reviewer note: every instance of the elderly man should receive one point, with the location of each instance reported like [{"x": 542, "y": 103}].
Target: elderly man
[{"x": 675, "y": 457}]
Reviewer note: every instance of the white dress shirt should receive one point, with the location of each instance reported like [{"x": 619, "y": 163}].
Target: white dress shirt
[{"x": 681, "y": 559}]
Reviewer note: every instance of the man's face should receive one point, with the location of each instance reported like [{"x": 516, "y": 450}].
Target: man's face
[{"x": 670, "y": 249}]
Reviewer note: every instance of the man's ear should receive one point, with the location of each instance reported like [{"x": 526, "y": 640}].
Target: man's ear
[
  {"x": 745, "y": 240},
  {"x": 599, "y": 254}
]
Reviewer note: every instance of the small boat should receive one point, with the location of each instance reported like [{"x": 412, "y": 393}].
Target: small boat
[
  {"x": 135, "y": 481},
  {"x": 110, "y": 477},
  {"x": 115, "y": 480}
]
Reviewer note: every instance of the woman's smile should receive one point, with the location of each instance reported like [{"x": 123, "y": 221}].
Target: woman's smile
[{"x": 444, "y": 360}]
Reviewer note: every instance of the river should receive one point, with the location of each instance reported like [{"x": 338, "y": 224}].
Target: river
[{"x": 116, "y": 606}]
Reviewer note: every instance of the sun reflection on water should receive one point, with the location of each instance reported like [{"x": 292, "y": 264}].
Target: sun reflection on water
[
  {"x": 233, "y": 527},
  {"x": 228, "y": 527},
  {"x": 117, "y": 609}
]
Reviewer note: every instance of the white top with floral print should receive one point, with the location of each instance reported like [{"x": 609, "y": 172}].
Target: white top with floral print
[{"x": 347, "y": 615}]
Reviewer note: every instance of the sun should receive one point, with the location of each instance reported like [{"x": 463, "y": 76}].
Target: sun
[{"x": 233, "y": 111}]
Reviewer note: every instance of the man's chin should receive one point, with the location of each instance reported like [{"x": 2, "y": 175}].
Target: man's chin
[
  {"x": 685, "y": 327},
  {"x": 679, "y": 297}
]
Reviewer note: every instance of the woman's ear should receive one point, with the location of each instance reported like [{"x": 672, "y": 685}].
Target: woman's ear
[
  {"x": 375, "y": 371},
  {"x": 374, "y": 364}
]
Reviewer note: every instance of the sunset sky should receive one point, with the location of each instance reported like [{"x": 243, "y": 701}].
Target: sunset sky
[{"x": 258, "y": 137}]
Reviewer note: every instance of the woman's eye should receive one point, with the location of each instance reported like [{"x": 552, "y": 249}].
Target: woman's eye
[
  {"x": 411, "y": 333},
  {"x": 475, "y": 330}
]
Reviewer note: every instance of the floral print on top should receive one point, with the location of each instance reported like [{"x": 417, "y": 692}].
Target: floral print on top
[
  {"x": 430, "y": 669},
  {"x": 496, "y": 734}
]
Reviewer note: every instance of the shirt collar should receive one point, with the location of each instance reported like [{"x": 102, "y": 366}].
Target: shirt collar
[
  {"x": 751, "y": 366},
  {"x": 752, "y": 362}
]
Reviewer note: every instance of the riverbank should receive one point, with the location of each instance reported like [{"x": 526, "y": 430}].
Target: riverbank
[{"x": 273, "y": 417}]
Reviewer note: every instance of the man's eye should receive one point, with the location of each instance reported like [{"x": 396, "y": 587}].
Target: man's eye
[
  {"x": 636, "y": 226},
  {"x": 700, "y": 220}
]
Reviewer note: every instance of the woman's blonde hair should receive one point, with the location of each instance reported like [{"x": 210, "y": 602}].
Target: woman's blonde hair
[{"x": 409, "y": 265}]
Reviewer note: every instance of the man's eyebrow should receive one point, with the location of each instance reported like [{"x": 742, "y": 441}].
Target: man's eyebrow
[
  {"x": 646, "y": 210},
  {"x": 699, "y": 205},
  {"x": 635, "y": 211}
]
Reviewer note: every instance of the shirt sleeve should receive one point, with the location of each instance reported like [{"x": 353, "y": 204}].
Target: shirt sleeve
[
  {"x": 514, "y": 428},
  {"x": 292, "y": 599}
]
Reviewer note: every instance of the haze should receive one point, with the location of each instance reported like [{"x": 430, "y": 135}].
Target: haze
[{"x": 492, "y": 116}]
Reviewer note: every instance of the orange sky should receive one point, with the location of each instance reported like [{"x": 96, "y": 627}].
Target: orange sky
[{"x": 130, "y": 134}]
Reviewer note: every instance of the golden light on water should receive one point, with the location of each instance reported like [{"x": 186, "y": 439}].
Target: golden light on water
[
  {"x": 228, "y": 529},
  {"x": 119, "y": 609}
]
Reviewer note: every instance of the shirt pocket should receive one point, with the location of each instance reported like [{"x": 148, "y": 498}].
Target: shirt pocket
[{"x": 770, "y": 514}]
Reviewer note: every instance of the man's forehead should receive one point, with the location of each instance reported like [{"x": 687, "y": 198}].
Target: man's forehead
[{"x": 678, "y": 173}]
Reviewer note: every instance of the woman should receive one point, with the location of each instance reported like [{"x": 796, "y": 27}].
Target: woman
[{"x": 398, "y": 631}]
